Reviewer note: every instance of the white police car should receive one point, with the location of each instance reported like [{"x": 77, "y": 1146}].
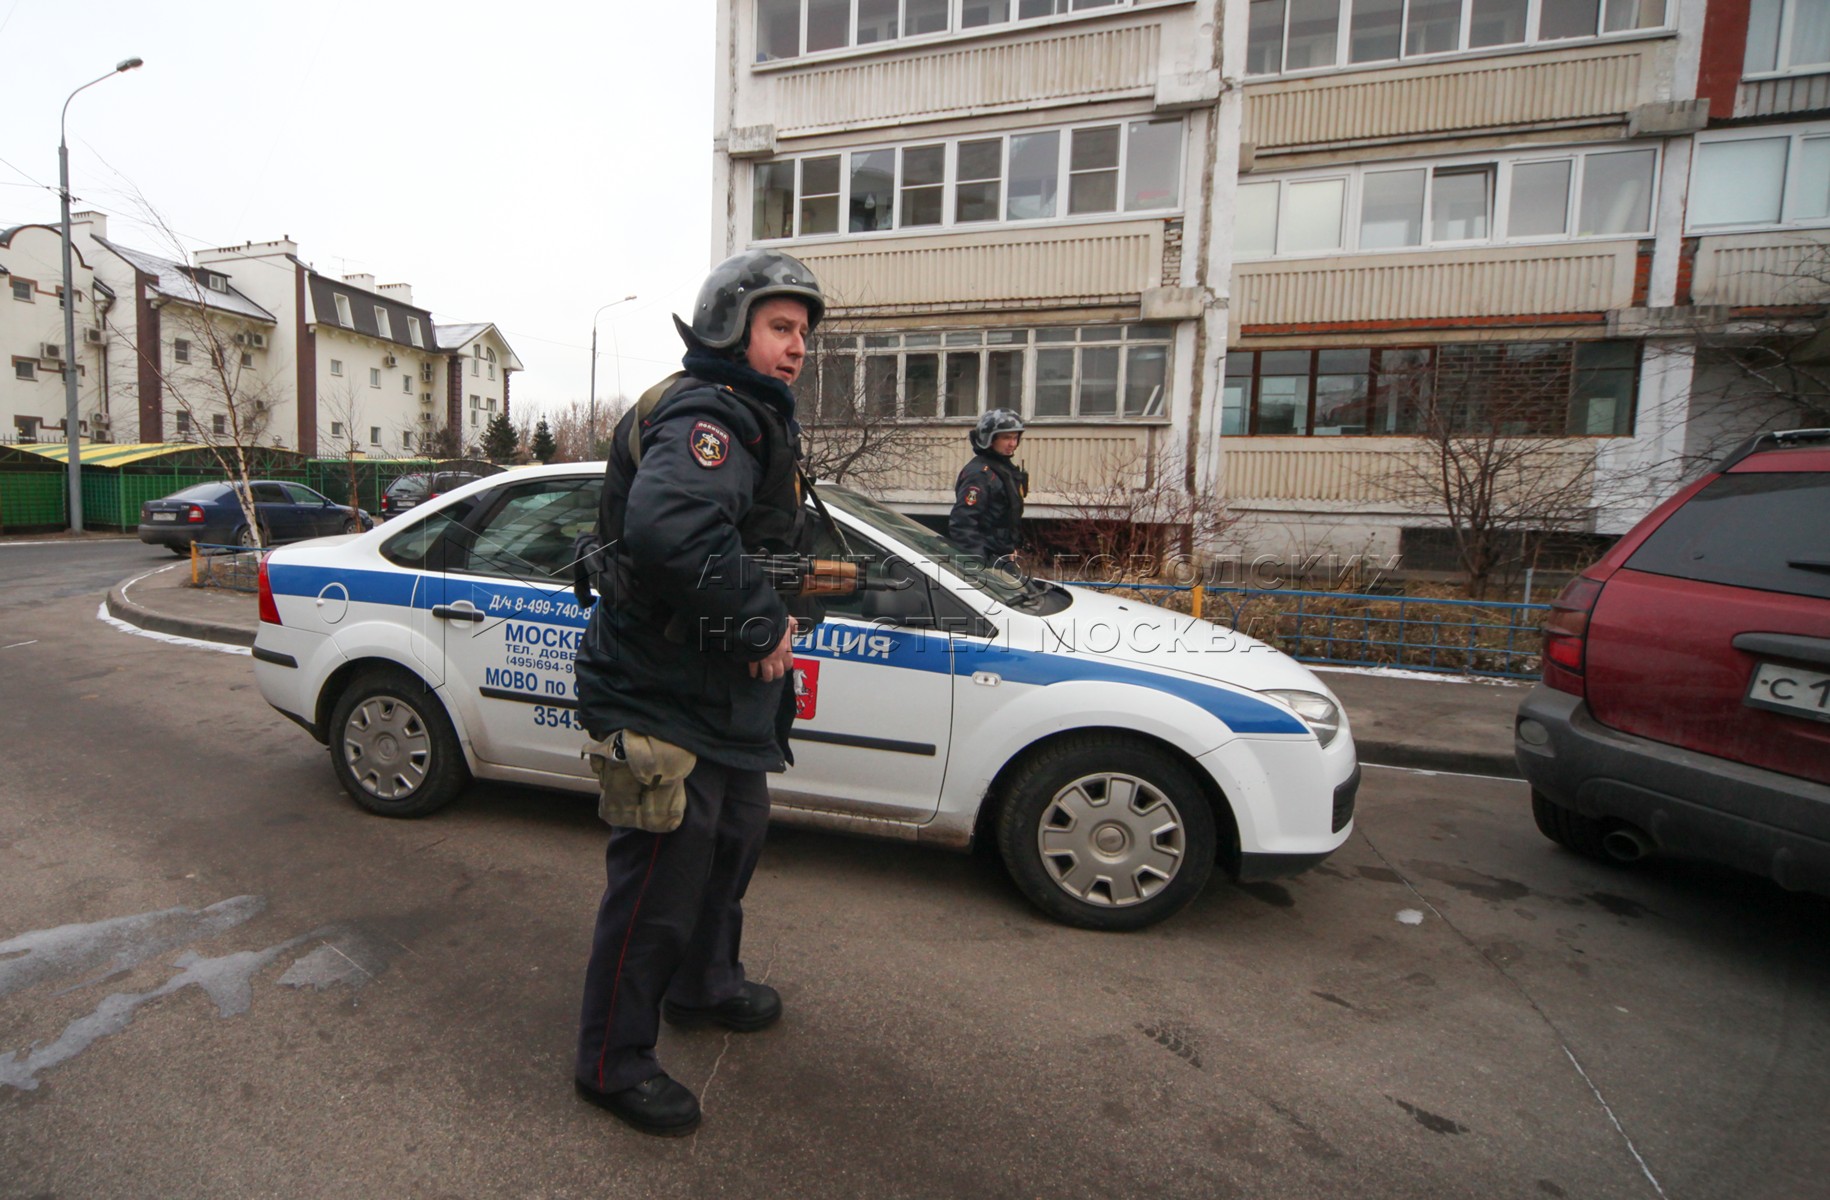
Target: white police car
[{"x": 1116, "y": 752}]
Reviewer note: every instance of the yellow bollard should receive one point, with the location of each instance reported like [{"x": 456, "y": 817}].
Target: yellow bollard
[
  {"x": 1194, "y": 602},
  {"x": 193, "y": 564}
]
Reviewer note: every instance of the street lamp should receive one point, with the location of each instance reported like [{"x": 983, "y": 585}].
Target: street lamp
[
  {"x": 69, "y": 298},
  {"x": 591, "y": 424}
]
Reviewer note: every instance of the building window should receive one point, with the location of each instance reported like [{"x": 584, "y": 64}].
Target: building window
[
  {"x": 790, "y": 28},
  {"x": 247, "y": 360},
  {"x": 492, "y": 370},
  {"x": 182, "y": 421},
  {"x": 1550, "y": 389},
  {"x": 406, "y": 439},
  {"x": 413, "y": 334},
  {"x": 374, "y": 435},
  {"x": 344, "y": 316},
  {"x": 181, "y": 350},
  {"x": 27, "y": 427},
  {"x": 25, "y": 368},
  {"x": 382, "y": 326},
  {"x": 1769, "y": 178},
  {"x": 1303, "y": 35},
  {"x": 219, "y": 424},
  {"x": 336, "y": 429},
  {"x": 476, "y": 366},
  {"x": 1573, "y": 195},
  {"x": 1134, "y": 166},
  {"x": 216, "y": 283},
  {"x": 26, "y": 290},
  {"x": 374, "y": 377},
  {"x": 1787, "y": 35},
  {"x": 336, "y": 366},
  {"x": 1089, "y": 372}
]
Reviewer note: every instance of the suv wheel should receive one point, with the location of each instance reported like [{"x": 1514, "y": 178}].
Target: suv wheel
[
  {"x": 392, "y": 746},
  {"x": 1570, "y": 829},
  {"x": 1103, "y": 832}
]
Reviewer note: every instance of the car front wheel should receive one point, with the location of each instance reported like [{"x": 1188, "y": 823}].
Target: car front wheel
[
  {"x": 392, "y": 746},
  {"x": 1104, "y": 832}
]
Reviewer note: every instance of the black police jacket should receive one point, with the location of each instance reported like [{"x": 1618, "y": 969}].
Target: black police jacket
[
  {"x": 988, "y": 506},
  {"x": 668, "y": 648}
]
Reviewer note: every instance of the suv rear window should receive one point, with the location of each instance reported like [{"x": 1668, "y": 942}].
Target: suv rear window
[{"x": 1748, "y": 530}]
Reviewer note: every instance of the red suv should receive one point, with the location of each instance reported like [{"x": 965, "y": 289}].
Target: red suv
[{"x": 1685, "y": 705}]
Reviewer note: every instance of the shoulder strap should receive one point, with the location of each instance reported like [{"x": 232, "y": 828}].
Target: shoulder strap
[{"x": 644, "y": 408}]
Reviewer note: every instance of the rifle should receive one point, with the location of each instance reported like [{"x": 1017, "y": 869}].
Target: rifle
[{"x": 804, "y": 575}]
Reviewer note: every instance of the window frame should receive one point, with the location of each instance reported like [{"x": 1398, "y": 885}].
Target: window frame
[
  {"x": 954, "y": 28},
  {"x": 1499, "y": 214},
  {"x": 1783, "y": 67},
  {"x": 1532, "y": 40},
  {"x": 1023, "y": 341},
  {"x": 1376, "y": 368},
  {"x": 1795, "y": 136},
  {"x": 951, "y": 182},
  {"x": 30, "y": 295},
  {"x": 346, "y": 316},
  {"x": 383, "y": 325}
]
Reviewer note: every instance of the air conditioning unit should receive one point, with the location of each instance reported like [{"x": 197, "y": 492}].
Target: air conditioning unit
[
  {"x": 425, "y": 372},
  {"x": 388, "y": 360},
  {"x": 241, "y": 339},
  {"x": 425, "y": 418},
  {"x": 95, "y": 337},
  {"x": 50, "y": 350},
  {"x": 258, "y": 341},
  {"x": 99, "y": 425}
]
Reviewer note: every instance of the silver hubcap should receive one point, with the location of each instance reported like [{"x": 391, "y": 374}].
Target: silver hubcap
[
  {"x": 387, "y": 747},
  {"x": 1111, "y": 840}
]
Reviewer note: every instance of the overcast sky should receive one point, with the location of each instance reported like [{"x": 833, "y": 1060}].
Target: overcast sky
[{"x": 520, "y": 162}]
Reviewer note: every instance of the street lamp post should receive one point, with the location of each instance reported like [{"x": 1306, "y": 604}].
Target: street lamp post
[
  {"x": 69, "y": 299},
  {"x": 591, "y": 423}
]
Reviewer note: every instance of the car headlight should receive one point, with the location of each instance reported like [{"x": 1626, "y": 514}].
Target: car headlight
[{"x": 1321, "y": 713}]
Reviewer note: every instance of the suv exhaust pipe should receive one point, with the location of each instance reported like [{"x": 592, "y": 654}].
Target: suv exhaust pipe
[{"x": 1626, "y": 844}]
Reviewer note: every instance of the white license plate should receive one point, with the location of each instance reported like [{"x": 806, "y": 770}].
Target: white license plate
[
  {"x": 165, "y": 516},
  {"x": 1795, "y": 690}
]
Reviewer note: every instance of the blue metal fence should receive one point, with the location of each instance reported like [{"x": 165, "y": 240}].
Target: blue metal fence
[{"x": 1417, "y": 633}]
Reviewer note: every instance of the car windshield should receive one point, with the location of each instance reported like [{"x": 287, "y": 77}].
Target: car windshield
[{"x": 1001, "y": 585}]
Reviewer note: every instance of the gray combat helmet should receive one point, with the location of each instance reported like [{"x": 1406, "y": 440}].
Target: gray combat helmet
[
  {"x": 994, "y": 422},
  {"x": 721, "y": 315}
]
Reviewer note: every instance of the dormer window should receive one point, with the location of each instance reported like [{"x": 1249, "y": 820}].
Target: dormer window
[
  {"x": 344, "y": 317},
  {"x": 413, "y": 332},
  {"x": 216, "y": 283},
  {"x": 381, "y": 322}
]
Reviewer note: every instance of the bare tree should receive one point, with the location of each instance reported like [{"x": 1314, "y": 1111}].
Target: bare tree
[
  {"x": 851, "y": 430},
  {"x": 1769, "y": 368},
  {"x": 1133, "y": 517},
  {"x": 1492, "y": 460}
]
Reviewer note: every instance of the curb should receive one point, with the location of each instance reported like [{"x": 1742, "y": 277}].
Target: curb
[
  {"x": 120, "y": 607},
  {"x": 1418, "y": 758}
]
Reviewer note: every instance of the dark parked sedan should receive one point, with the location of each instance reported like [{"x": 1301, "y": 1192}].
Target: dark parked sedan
[{"x": 210, "y": 513}]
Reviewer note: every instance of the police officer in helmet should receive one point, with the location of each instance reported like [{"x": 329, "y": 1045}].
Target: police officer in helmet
[
  {"x": 987, "y": 518},
  {"x": 688, "y": 651}
]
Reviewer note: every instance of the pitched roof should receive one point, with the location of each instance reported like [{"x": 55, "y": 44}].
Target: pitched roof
[
  {"x": 455, "y": 335},
  {"x": 181, "y": 282},
  {"x": 325, "y": 290}
]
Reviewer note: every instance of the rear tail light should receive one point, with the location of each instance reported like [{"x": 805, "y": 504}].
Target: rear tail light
[
  {"x": 1566, "y": 635},
  {"x": 195, "y": 515},
  {"x": 270, "y": 612}
]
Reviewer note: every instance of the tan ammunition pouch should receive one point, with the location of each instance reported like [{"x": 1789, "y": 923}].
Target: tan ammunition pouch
[{"x": 642, "y": 780}]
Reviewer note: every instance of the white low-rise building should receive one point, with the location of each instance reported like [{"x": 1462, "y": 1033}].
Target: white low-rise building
[{"x": 32, "y": 401}]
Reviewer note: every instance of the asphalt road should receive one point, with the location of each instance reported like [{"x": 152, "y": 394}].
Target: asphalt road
[{"x": 219, "y": 978}]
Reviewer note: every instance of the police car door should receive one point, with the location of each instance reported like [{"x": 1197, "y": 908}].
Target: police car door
[
  {"x": 875, "y": 695},
  {"x": 511, "y": 625}
]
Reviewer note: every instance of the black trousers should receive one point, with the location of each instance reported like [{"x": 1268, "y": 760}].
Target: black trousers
[{"x": 670, "y": 923}]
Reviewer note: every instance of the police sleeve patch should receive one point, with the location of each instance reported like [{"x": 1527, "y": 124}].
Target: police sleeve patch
[
  {"x": 710, "y": 444},
  {"x": 972, "y": 496}
]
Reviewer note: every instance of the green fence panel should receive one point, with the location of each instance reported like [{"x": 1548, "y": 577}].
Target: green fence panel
[
  {"x": 102, "y": 500},
  {"x": 33, "y": 498}
]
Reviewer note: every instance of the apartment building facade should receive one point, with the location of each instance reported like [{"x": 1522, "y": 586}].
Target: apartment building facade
[
  {"x": 1010, "y": 203},
  {"x": 32, "y": 400},
  {"x": 1322, "y": 211},
  {"x": 316, "y": 363}
]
